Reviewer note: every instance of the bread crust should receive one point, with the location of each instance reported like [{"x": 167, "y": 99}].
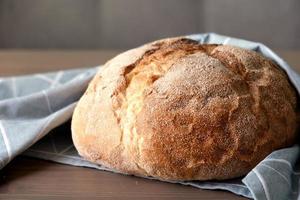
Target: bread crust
[{"x": 177, "y": 110}]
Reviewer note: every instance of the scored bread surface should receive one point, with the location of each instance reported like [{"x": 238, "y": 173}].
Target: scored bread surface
[{"x": 178, "y": 110}]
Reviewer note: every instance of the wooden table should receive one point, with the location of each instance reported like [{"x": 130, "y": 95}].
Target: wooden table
[{"x": 28, "y": 178}]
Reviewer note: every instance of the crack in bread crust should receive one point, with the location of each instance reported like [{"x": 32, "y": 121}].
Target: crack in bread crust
[
  {"x": 141, "y": 76},
  {"x": 234, "y": 64},
  {"x": 248, "y": 131}
]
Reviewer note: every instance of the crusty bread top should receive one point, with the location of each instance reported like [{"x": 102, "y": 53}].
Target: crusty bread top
[{"x": 176, "y": 109}]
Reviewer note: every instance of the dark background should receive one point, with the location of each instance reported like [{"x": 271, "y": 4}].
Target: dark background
[{"x": 121, "y": 24}]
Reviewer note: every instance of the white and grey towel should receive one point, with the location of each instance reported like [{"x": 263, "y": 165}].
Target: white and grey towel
[{"x": 31, "y": 106}]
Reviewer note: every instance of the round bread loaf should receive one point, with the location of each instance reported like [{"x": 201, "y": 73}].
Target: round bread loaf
[{"x": 178, "y": 110}]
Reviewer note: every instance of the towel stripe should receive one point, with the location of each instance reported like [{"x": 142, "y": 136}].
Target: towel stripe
[
  {"x": 53, "y": 143},
  {"x": 57, "y": 78},
  {"x": 1, "y": 163},
  {"x": 44, "y": 128},
  {"x": 66, "y": 149},
  {"x": 6, "y": 141},
  {"x": 279, "y": 160},
  {"x": 57, "y": 154},
  {"x": 47, "y": 101},
  {"x": 44, "y": 78},
  {"x": 226, "y": 40},
  {"x": 278, "y": 172},
  {"x": 261, "y": 179},
  {"x": 14, "y": 87}
]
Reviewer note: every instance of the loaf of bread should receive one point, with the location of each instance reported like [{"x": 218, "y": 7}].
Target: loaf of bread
[{"x": 178, "y": 110}]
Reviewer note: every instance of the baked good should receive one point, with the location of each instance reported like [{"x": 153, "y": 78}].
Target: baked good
[{"x": 178, "y": 110}]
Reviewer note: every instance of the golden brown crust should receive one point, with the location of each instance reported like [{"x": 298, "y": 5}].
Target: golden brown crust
[{"x": 177, "y": 110}]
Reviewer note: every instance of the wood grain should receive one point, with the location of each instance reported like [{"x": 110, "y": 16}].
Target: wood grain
[
  {"x": 28, "y": 178},
  {"x": 17, "y": 62}
]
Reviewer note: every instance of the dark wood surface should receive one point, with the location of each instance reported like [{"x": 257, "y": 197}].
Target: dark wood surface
[
  {"x": 17, "y": 62},
  {"x": 28, "y": 178}
]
